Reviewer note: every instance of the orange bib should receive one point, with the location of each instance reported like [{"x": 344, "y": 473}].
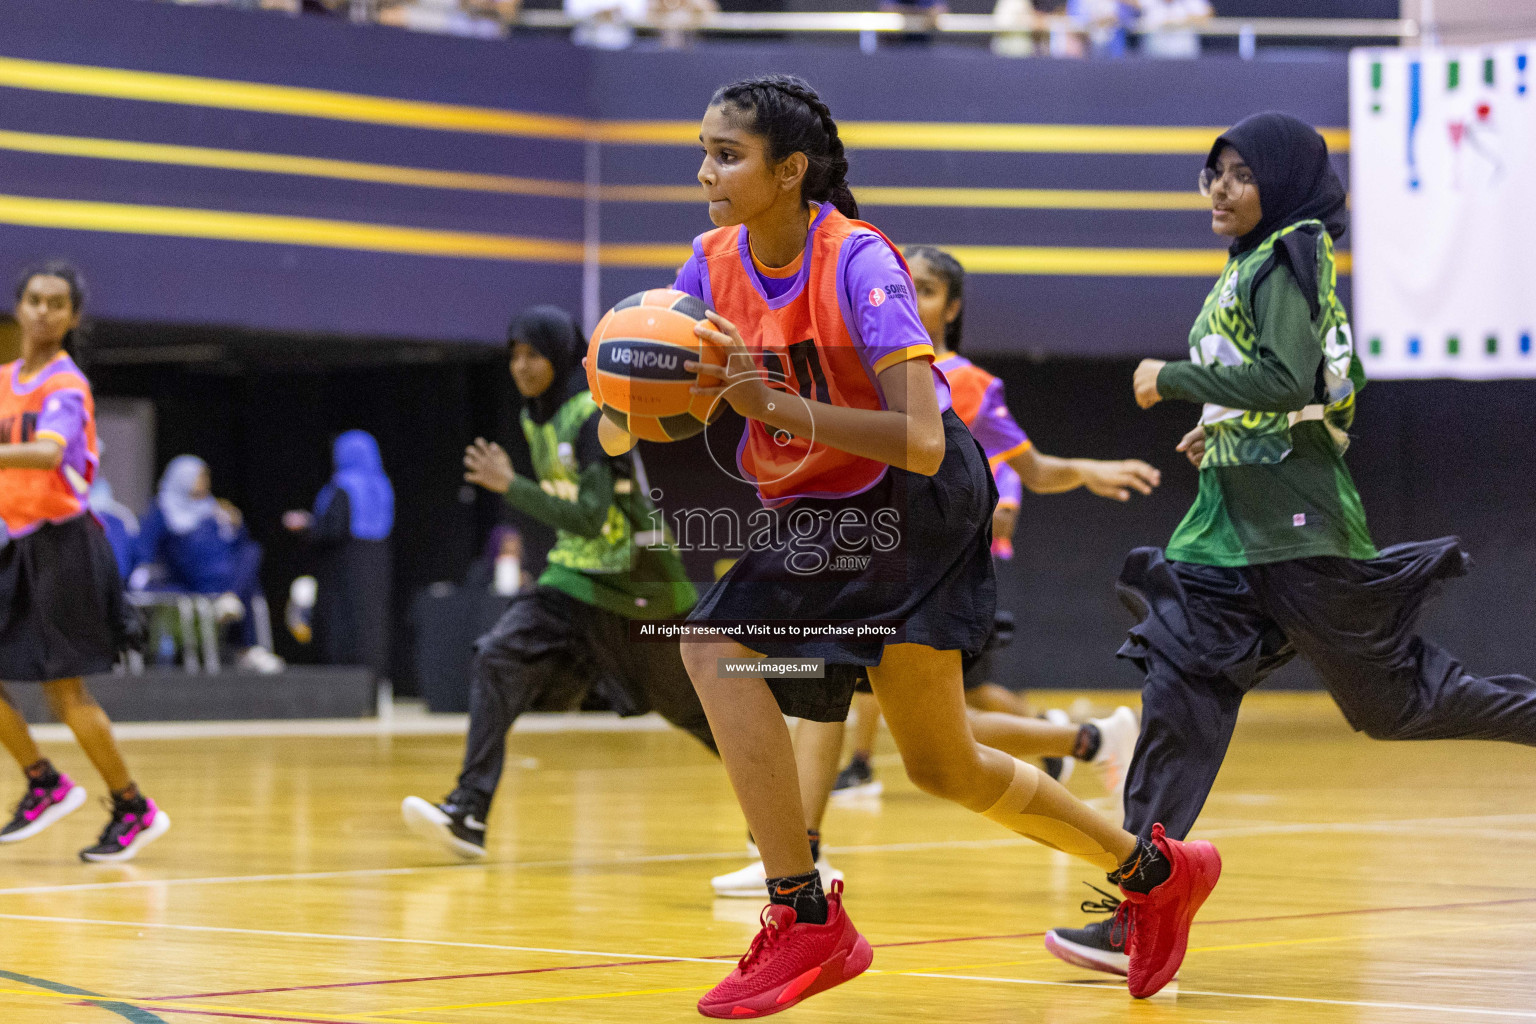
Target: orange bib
[
  {"x": 31, "y": 497},
  {"x": 806, "y": 346}
]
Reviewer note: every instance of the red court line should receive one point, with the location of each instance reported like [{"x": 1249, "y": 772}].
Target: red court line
[
  {"x": 243, "y": 1016},
  {"x": 732, "y": 956},
  {"x": 402, "y": 981}
]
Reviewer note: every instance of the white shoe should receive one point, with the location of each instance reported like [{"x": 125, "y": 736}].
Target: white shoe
[
  {"x": 228, "y": 608},
  {"x": 1117, "y": 743},
  {"x": 71, "y": 802},
  {"x": 751, "y": 882},
  {"x": 1056, "y": 716},
  {"x": 432, "y": 823},
  {"x": 259, "y": 659}
]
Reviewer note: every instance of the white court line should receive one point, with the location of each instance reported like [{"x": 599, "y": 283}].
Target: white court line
[
  {"x": 269, "y": 933},
  {"x": 654, "y": 858},
  {"x": 1258, "y": 829},
  {"x": 1426, "y": 1008},
  {"x": 395, "y": 725}
]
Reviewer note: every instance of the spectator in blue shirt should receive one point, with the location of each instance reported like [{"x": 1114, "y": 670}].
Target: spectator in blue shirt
[{"x": 192, "y": 542}]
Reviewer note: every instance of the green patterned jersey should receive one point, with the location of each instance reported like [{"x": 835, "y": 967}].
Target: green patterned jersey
[
  {"x": 612, "y": 548},
  {"x": 1226, "y": 334},
  {"x": 553, "y": 447},
  {"x": 1278, "y": 383}
]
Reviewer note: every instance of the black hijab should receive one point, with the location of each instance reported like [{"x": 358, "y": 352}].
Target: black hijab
[
  {"x": 1289, "y": 161},
  {"x": 553, "y": 333}
]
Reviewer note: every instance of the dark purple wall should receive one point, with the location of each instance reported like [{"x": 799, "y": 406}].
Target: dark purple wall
[{"x": 329, "y": 289}]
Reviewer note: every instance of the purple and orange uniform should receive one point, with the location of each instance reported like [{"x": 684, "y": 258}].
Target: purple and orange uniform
[
  {"x": 979, "y": 401},
  {"x": 56, "y": 405},
  {"x": 824, "y": 328}
]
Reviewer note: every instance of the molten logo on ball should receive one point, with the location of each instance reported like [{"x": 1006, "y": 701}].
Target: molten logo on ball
[{"x": 635, "y": 366}]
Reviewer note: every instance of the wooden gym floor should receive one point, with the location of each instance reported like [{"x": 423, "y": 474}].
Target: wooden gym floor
[{"x": 1364, "y": 882}]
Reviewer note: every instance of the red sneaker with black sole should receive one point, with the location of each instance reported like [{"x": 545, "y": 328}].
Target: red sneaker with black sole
[
  {"x": 1157, "y": 923},
  {"x": 789, "y": 962}
]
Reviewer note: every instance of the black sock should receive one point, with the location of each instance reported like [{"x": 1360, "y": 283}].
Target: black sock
[
  {"x": 1143, "y": 870},
  {"x": 41, "y": 773},
  {"x": 814, "y": 836},
  {"x": 803, "y": 893},
  {"x": 129, "y": 794},
  {"x": 1088, "y": 739},
  {"x": 861, "y": 758}
]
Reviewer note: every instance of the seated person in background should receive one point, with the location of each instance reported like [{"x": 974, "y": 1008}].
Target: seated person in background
[
  {"x": 1169, "y": 27},
  {"x": 924, "y": 12},
  {"x": 606, "y": 24},
  {"x": 192, "y": 542},
  {"x": 1020, "y": 15},
  {"x": 445, "y": 17},
  {"x": 499, "y": 569},
  {"x": 118, "y": 520},
  {"x": 349, "y": 535}
]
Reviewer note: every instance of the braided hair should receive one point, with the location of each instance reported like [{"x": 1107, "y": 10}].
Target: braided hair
[
  {"x": 949, "y": 268},
  {"x": 787, "y": 112}
]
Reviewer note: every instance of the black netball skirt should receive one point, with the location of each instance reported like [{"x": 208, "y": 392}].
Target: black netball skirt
[
  {"x": 61, "y": 603},
  {"x": 907, "y": 561}
]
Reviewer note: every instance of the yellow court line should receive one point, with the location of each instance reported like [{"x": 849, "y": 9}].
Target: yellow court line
[
  {"x": 228, "y": 94},
  {"x": 555, "y": 999},
  {"x": 210, "y": 1009}
]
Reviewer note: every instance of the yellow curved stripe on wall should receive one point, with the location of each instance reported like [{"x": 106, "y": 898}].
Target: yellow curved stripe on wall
[
  {"x": 974, "y": 137},
  {"x": 195, "y": 91},
  {"x": 192, "y": 90},
  {"x": 281, "y": 163},
  {"x": 504, "y": 184},
  {"x": 182, "y": 222},
  {"x": 224, "y": 225}
]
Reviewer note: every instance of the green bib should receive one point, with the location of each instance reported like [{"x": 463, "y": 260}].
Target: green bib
[
  {"x": 553, "y": 447},
  {"x": 1226, "y": 332}
]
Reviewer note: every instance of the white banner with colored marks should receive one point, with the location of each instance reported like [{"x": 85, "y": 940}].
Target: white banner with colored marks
[{"x": 1443, "y": 183}]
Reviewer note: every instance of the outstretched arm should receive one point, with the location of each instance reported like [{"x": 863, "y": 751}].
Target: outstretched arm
[
  {"x": 1048, "y": 474},
  {"x": 1281, "y": 378},
  {"x": 583, "y": 512}
]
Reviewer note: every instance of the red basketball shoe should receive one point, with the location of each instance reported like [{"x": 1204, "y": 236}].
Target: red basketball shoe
[
  {"x": 789, "y": 962},
  {"x": 1157, "y": 923}
]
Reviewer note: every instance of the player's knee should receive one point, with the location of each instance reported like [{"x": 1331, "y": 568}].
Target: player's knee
[
  {"x": 949, "y": 778},
  {"x": 700, "y": 661}
]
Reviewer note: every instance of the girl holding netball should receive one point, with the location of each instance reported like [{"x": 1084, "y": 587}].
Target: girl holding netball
[
  {"x": 61, "y": 602},
  {"x": 849, "y": 430}
]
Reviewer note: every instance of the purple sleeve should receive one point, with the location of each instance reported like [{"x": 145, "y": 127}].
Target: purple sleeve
[
  {"x": 690, "y": 278},
  {"x": 878, "y": 294},
  {"x": 995, "y": 427},
  {"x": 64, "y": 415},
  {"x": 1010, "y": 489}
]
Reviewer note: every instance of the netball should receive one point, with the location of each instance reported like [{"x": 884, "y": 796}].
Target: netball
[{"x": 635, "y": 366}]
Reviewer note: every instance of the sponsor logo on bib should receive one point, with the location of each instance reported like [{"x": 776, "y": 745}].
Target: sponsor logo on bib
[{"x": 876, "y": 296}]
